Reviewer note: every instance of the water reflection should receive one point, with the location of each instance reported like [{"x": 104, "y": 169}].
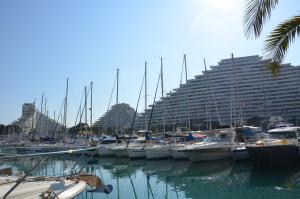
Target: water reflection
[{"x": 175, "y": 179}]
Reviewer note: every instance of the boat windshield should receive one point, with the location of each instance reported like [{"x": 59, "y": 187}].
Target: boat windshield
[{"x": 283, "y": 134}]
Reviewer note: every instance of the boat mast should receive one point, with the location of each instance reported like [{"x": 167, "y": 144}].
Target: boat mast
[
  {"x": 186, "y": 79},
  {"x": 214, "y": 100},
  {"x": 85, "y": 112},
  {"x": 162, "y": 96},
  {"x": 117, "y": 102},
  {"x": 65, "y": 110},
  {"x": 145, "y": 95},
  {"x": 91, "y": 109}
]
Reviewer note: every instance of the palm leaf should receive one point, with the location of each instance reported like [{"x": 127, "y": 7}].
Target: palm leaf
[
  {"x": 257, "y": 12},
  {"x": 278, "y": 42}
]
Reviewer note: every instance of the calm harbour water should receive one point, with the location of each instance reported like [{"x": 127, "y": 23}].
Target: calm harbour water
[{"x": 175, "y": 179}]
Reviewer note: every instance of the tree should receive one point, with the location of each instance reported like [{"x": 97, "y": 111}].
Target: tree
[{"x": 276, "y": 45}]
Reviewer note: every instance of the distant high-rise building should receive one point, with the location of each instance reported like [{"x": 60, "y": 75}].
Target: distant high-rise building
[
  {"x": 117, "y": 119},
  {"x": 230, "y": 93},
  {"x": 32, "y": 121}
]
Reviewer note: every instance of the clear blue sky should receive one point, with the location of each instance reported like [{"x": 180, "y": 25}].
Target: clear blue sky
[{"x": 44, "y": 42}]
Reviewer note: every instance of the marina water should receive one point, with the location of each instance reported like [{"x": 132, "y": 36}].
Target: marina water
[{"x": 173, "y": 179}]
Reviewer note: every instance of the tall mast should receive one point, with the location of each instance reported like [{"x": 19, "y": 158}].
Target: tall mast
[
  {"x": 232, "y": 98},
  {"x": 41, "y": 114},
  {"x": 85, "y": 110},
  {"x": 91, "y": 116},
  {"x": 117, "y": 101},
  {"x": 145, "y": 95},
  {"x": 162, "y": 93},
  {"x": 208, "y": 103},
  {"x": 66, "y": 108},
  {"x": 185, "y": 68}
]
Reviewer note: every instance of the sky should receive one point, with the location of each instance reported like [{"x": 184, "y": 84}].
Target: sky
[{"x": 42, "y": 43}]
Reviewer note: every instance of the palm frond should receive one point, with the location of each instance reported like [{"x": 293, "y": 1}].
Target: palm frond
[
  {"x": 257, "y": 12},
  {"x": 278, "y": 42}
]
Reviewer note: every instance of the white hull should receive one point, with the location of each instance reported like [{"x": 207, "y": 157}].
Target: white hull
[
  {"x": 176, "y": 154},
  {"x": 136, "y": 152},
  {"x": 158, "y": 151},
  {"x": 65, "y": 189},
  {"x": 208, "y": 154},
  {"x": 120, "y": 151},
  {"x": 105, "y": 150}
]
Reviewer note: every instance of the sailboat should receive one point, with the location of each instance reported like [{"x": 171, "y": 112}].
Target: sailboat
[
  {"x": 109, "y": 142},
  {"x": 161, "y": 150},
  {"x": 136, "y": 149}
]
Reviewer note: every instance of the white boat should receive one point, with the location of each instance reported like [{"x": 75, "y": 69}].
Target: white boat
[
  {"x": 120, "y": 150},
  {"x": 176, "y": 154},
  {"x": 105, "y": 146},
  {"x": 61, "y": 189},
  {"x": 136, "y": 149},
  {"x": 158, "y": 151},
  {"x": 212, "y": 148}
]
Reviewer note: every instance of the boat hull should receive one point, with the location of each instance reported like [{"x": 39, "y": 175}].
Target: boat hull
[
  {"x": 158, "y": 152},
  {"x": 177, "y": 155},
  {"x": 275, "y": 155},
  {"x": 66, "y": 189},
  {"x": 136, "y": 152},
  {"x": 240, "y": 154},
  {"x": 120, "y": 151},
  {"x": 211, "y": 154},
  {"x": 105, "y": 151}
]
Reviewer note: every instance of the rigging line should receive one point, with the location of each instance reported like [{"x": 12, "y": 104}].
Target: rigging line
[
  {"x": 41, "y": 104},
  {"x": 81, "y": 115},
  {"x": 182, "y": 66},
  {"x": 79, "y": 109},
  {"x": 112, "y": 92},
  {"x": 87, "y": 161},
  {"x": 23, "y": 178},
  {"x": 150, "y": 119},
  {"x": 137, "y": 105},
  {"x": 58, "y": 117}
]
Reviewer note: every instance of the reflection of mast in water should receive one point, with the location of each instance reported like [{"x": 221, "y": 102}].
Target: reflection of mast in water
[
  {"x": 149, "y": 189},
  {"x": 132, "y": 185}
]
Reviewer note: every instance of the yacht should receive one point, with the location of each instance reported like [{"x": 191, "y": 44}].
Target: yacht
[
  {"x": 105, "y": 146},
  {"x": 280, "y": 148},
  {"x": 246, "y": 135},
  {"x": 211, "y": 148},
  {"x": 180, "y": 143},
  {"x": 136, "y": 149},
  {"x": 158, "y": 151}
]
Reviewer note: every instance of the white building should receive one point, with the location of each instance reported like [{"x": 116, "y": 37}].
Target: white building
[
  {"x": 232, "y": 92},
  {"x": 32, "y": 121}
]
